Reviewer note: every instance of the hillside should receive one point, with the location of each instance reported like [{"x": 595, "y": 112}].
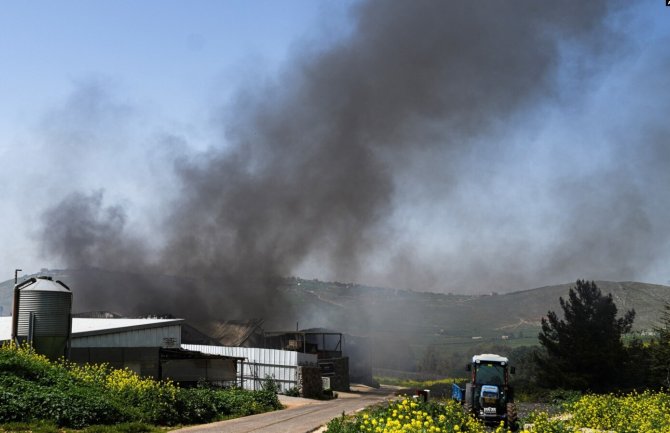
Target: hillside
[
  {"x": 416, "y": 318},
  {"x": 449, "y": 319}
]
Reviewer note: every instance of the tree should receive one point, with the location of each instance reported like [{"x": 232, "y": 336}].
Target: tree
[
  {"x": 523, "y": 358},
  {"x": 430, "y": 361},
  {"x": 660, "y": 349},
  {"x": 584, "y": 350}
]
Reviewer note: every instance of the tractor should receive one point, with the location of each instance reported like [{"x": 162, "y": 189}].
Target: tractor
[{"x": 488, "y": 395}]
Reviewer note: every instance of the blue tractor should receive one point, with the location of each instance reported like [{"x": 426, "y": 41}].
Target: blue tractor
[{"x": 488, "y": 395}]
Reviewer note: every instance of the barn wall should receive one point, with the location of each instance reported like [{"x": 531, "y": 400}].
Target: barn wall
[
  {"x": 160, "y": 336},
  {"x": 196, "y": 370},
  {"x": 144, "y": 361}
]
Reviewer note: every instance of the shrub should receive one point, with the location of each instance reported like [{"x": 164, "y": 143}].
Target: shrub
[
  {"x": 32, "y": 388},
  {"x": 293, "y": 392}
]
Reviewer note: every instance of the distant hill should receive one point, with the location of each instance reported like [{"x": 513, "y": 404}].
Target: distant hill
[
  {"x": 456, "y": 317},
  {"x": 410, "y": 318}
]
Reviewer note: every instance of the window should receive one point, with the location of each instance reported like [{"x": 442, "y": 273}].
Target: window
[{"x": 490, "y": 374}]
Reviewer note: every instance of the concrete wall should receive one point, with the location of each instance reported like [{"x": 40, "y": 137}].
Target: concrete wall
[
  {"x": 309, "y": 382},
  {"x": 337, "y": 369}
]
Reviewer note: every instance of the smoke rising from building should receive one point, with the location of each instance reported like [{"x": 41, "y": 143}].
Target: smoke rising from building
[{"x": 440, "y": 146}]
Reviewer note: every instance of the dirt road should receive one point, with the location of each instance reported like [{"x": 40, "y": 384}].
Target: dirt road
[{"x": 301, "y": 416}]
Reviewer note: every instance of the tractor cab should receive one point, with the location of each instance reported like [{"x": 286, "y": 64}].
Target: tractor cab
[
  {"x": 488, "y": 394},
  {"x": 487, "y": 370}
]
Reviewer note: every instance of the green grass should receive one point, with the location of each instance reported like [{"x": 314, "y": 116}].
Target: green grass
[
  {"x": 419, "y": 384},
  {"x": 440, "y": 388},
  {"x": 50, "y": 427}
]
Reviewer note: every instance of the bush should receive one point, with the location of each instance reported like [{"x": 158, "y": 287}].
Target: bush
[
  {"x": 32, "y": 388},
  {"x": 293, "y": 392},
  {"x": 65, "y": 404}
]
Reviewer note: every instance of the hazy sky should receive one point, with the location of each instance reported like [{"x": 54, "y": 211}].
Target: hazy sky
[{"x": 428, "y": 145}]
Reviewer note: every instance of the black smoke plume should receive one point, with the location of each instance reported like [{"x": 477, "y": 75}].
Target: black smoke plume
[{"x": 315, "y": 163}]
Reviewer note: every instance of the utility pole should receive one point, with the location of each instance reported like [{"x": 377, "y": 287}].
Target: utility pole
[{"x": 15, "y": 308}]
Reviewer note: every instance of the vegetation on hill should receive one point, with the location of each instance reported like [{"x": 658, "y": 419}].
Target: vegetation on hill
[
  {"x": 583, "y": 348},
  {"x": 436, "y": 334},
  {"x": 32, "y": 388},
  {"x": 429, "y": 333},
  {"x": 660, "y": 349}
]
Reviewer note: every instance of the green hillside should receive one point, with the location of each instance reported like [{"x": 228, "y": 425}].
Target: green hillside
[
  {"x": 403, "y": 325},
  {"x": 365, "y": 310},
  {"x": 399, "y": 323},
  {"x": 378, "y": 311}
]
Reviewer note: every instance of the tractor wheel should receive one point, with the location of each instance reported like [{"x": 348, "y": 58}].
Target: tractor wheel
[
  {"x": 467, "y": 407},
  {"x": 469, "y": 397},
  {"x": 512, "y": 419}
]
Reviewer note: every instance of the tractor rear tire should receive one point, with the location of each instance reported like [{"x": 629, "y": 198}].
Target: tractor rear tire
[
  {"x": 512, "y": 417},
  {"x": 467, "y": 407},
  {"x": 469, "y": 397}
]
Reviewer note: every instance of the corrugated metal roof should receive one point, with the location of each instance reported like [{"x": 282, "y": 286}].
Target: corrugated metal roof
[
  {"x": 84, "y": 327},
  {"x": 81, "y": 326}
]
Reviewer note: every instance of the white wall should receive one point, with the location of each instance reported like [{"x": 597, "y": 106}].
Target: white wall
[{"x": 281, "y": 365}]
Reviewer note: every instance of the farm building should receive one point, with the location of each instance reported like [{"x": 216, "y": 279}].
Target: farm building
[
  {"x": 214, "y": 351},
  {"x": 280, "y": 355},
  {"x": 325, "y": 345},
  {"x": 150, "y": 347},
  {"x": 313, "y": 346},
  {"x": 342, "y": 356}
]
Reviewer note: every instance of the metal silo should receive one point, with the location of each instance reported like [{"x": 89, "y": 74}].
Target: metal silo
[{"x": 42, "y": 315}]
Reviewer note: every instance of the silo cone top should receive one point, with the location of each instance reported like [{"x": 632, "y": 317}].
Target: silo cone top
[{"x": 43, "y": 284}]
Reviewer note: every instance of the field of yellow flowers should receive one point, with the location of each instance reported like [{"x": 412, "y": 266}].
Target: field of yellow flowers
[
  {"x": 409, "y": 416},
  {"x": 646, "y": 412}
]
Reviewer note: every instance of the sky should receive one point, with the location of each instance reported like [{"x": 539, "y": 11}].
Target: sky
[{"x": 424, "y": 145}]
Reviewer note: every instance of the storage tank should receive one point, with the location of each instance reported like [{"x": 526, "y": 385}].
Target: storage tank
[{"x": 42, "y": 315}]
